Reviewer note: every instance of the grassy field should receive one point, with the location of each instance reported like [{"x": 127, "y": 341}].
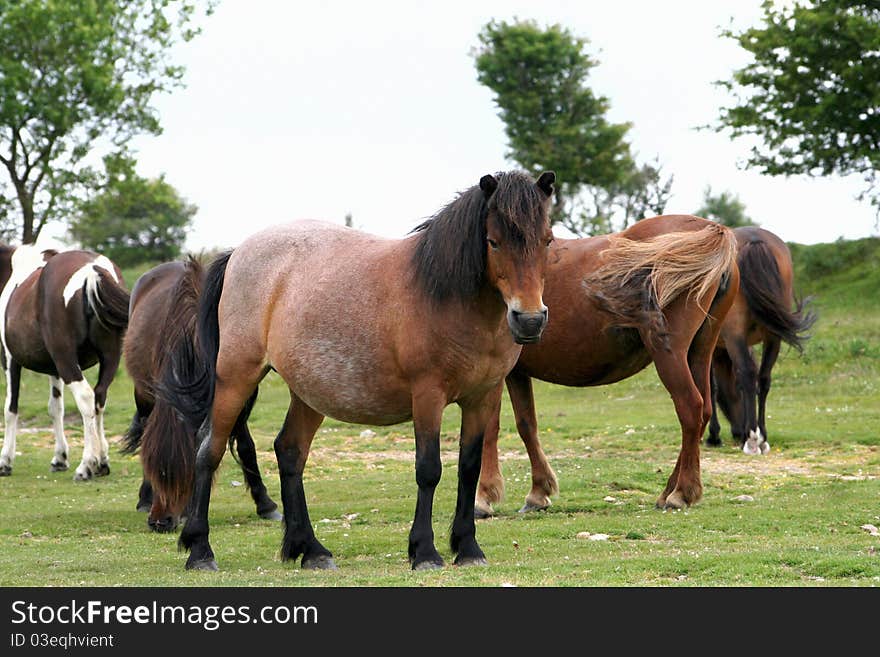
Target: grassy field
[{"x": 612, "y": 448}]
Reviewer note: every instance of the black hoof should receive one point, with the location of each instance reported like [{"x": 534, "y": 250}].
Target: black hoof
[
  {"x": 482, "y": 514},
  {"x": 58, "y": 467},
  {"x": 163, "y": 525},
  {"x": 428, "y": 565},
  {"x": 202, "y": 564},
  {"x": 5, "y": 470},
  {"x": 474, "y": 560},
  {"x": 271, "y": 515},
  {"x": 528, "y": 507},
  {"x": 713, "y": 442},
  {"x": 103, "y": 470},
  {"x": 320, "y": 562}
]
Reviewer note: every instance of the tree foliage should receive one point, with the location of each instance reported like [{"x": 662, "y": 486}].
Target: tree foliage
[
  {"x": 553, "y": 120},
  {"x": 811, "y": 94},
  {"x": 725, "y": 208},
  {"x": 76, "y": 75},
  {"x": 133, "y": 219}
]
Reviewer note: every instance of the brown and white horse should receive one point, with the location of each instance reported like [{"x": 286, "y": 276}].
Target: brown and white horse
[
  {"x": 373, "y": 331},
  {"x": 657, "y": 291},
  {"x": 765, "y": 311},
  {"x": 171, "y": 459},
  {"x": 61, "y": 313}
]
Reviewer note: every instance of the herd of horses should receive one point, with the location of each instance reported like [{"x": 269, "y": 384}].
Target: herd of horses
[{"x": 478, "y": 297}]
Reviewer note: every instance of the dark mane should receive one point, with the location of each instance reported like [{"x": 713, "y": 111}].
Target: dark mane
[{"x": 450, "y": 258}]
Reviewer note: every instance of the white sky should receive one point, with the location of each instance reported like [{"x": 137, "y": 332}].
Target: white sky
[{"x": 316, "y": 109}]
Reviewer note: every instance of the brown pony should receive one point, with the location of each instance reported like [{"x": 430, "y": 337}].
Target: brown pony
[
  {"x": 151, "y": 327},
  {"x": 372, "y": 331},
  {"x": 762, "y": 312},
  {"x": 657, "y": 292},
  {"x": 61, "y": 313}
]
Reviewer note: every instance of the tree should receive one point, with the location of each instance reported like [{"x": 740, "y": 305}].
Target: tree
[
  {"x": 811, "y": 93},
  {"x": 133, "y": 219},
  {"x": 553, "y": 120},
  {"x": 725, "y": 208},
  {"x": 76, "y": 75}
]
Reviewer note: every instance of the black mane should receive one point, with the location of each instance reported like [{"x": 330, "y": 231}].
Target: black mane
[{"x": 450, "y": 257}]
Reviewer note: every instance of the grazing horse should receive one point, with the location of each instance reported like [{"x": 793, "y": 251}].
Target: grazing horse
[
  {"x": 61, "y": 313},
  {"x": 657, "y": 291},
  {"x": 762, "y": 312},
  {"x": 150, "y": 327},
  {"x": 397, "y": 333}
]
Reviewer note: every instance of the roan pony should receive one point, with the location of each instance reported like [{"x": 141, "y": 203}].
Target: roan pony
[
  {"x": 151, "y": 328},
  {"x": 61, "y": 313},
  {"x": 398, "y": 332},
  {"x": 657, "y": 291}
]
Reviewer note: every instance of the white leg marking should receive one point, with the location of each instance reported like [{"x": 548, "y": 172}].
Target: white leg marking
[
  {"x": 7, "y": 455},
  {"x": 755, "y": 444},
  {"x": 85, "y": 402},
  {"x": 105, "y": 446},
  {"x": 56, "y": 411}
]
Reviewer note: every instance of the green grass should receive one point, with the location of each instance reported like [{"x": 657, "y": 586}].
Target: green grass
[{"x": 811, "y": 494}]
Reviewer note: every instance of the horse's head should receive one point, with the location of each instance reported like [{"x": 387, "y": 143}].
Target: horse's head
[{"x": 518, "y": 238}]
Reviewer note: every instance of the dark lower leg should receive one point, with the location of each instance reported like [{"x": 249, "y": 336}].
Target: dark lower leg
[
  {"x": 247, "y": 455},
  {"x": 422, "y": 553},
  {"x": 194, "y": 536},
  {"x": 463, "y": 539}
]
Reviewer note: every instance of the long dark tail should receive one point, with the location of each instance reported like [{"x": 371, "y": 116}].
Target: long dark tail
[
  {"x": 184, "y": 392},
  {"x": 108, "y": 300},
  {"x": 762, "y": 286}
]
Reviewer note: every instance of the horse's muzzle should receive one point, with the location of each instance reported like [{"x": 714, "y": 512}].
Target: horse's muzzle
[{"x": 526, "y": 327}]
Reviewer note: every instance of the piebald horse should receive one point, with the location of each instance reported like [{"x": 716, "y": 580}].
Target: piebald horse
[
  {"x": 60, "y": 313},
  {"x": 765, "y": 311},
  {"x": 151, "y": 327},
  {"x": 373, "y": 331},
  {"x": 657, "y": 291}
]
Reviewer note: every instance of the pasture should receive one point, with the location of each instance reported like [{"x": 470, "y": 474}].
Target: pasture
[{"x": 612, "y": 447}]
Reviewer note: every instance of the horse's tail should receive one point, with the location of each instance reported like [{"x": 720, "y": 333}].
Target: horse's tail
[
  {"x": 640, "y": 278},
  {"x": 767, "y": 298},
  {"x": 107, "y": 298},
  {"x": 185, "y": 387}
]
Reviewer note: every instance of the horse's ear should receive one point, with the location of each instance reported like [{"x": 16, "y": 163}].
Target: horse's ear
[
  {"x": 488, "y": 184},
  {"x": 545, "y": 182}
]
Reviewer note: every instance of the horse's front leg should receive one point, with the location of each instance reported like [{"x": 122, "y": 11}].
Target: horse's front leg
[
  {"x": 491, "y": 487},
  {"x": 427, "y": 414},
  {"x": 476, "y": 416},
  {"x": 13, "y": 385}
]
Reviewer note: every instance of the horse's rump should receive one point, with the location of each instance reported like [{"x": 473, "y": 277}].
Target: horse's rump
[
  {"x": 638, "y": 279},
  {"x": 769, "y": 299}
]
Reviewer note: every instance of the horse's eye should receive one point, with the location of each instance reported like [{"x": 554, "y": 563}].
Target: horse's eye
[
  {"x": 548, "y": 242},
  {"x": 492, "y": 243}
]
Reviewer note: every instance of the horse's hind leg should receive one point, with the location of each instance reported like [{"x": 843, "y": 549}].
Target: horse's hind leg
[
  {"x": 714, "y": 439},
  {"x": 544, "y": 482},
  {"x": 13, "y": 385},
  {"x": 109, "y": 363},
  {"x": 768, "y": 360},
  {"x": 292, "y": 450},
  {"x": 56, "y": 411},
  {"x": 746, "y": 373},
  {"x": 247, "y": 455}
]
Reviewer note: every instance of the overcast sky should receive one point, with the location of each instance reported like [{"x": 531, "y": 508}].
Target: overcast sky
[{"x": 317, "y": 109}]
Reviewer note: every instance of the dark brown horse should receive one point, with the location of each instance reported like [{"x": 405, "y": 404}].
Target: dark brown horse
[
  {"x": 151, "y": 327},
  {"x": 372, "y": 331},
  {"x": 61, "y": 313},
  {"x": 765, "y": 311},
  {"x": 656, "y": 292}
]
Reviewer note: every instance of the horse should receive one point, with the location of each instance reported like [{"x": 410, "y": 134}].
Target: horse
[
  {"x": 766, "y": 311},
  {"x": 61, "y": 313},
  {"x": 150, "y": 327},
  {"x": 658, "y": 291},
  {"x": 401, "y": 331}
]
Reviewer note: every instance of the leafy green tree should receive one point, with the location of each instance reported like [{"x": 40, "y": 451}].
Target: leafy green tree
[
  {"x": 811, "y": 94},
  {"x": 133, "y": 219},
  {"x": 76, "y": 75},
  {"x": 553, "y": 120},
  {"x": 725, "y": 208}
]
